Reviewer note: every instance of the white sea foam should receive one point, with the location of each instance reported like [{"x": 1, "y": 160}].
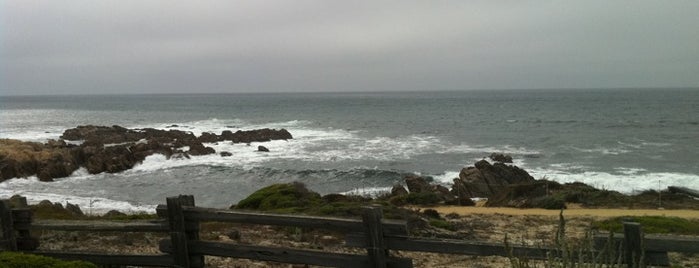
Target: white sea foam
[
  {"x": 486, "y": 150},
  {"x": 446, "y": 177},
  {"x": 625, "y": 180},
  {"x": 36, "y": 191},
  {"x": 368, "y": 191},
  {"x": 602, "y": 150}
]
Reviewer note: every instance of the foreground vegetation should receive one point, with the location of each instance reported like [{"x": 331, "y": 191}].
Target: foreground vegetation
[
  {"x": 21, "y": 260},
  {"x": 652, "y": 225}
]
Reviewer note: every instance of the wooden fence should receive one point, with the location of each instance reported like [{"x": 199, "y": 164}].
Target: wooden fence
[{"x": 181, "y": 219}]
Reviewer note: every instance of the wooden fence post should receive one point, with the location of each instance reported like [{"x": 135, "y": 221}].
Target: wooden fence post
[
  {"x": 23, "y": 223},
  {"x": 8, "y": 229},
  {"x": 633, "y": 251},
  {"x": 192, "y": 232},
  {"x": 180, "y": 250},
  {"x": 376, "y": 246}
]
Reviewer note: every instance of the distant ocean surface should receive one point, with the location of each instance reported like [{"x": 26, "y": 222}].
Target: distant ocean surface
[{"x": 620, "y": 139}]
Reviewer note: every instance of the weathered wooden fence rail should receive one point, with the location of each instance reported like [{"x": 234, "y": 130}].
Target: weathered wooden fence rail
[{"x": 180, "y": 219}]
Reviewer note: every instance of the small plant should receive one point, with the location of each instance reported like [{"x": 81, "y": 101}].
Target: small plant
[
  {"x": 442, "y": 224},
  {"x": 653, "y": 224},
  {"x": 424, "y": 198},
  {"x": 568, "y": 253}
]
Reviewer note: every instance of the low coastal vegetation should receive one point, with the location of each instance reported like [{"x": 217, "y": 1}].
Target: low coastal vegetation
[
  {"x": 17, "y": 260},
  {"x": 652, "y": 225}
]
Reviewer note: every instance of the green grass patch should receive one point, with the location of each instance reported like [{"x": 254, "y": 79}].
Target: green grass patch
[
  {"x": 652, "y": 225},
  {"x": 442, "y": 224},
  {"x": 21, "y": 260},
  {"x": 280, "y": 198},
  {"x": 424, "y": 198}
]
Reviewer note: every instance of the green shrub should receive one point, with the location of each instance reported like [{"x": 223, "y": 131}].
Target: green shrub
[
  {"x": 442, "y": 224},
  {"x": 280, "y": 197},
  {"x": 549, "y": 202},
  {"x": 652, "y": 225},
  {"x": 424, "y": 198},
  {"x": 21, "y": 260}
]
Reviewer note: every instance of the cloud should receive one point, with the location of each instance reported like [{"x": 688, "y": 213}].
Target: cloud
[{"x": 77, "y": 47}]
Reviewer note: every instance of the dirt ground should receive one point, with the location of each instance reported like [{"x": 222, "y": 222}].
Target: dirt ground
[
  {"x": 572, "y": 211},
  {"x": 521, "y": 226}
]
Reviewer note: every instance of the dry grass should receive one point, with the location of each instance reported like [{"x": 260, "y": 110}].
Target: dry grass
[{"x": 572, "y": 212}]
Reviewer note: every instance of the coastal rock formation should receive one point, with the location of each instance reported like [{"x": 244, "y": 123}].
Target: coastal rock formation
[
  {"x": 112, "y": 149},
  {"x": 46, "y": 161},
  {"x": 530, "y": 195},
  {"x": 502, "y": 158},
  {"x": 417, "y": 184},
  {"x": 486, "y": 180},
  {"x": 257, "y": 135}
]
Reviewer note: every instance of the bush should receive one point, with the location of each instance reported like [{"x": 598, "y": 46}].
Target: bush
[
  {"x": 652, "y": 225},
  {"x": 442, "y": 224},
  {"x": 424, "y": 198},
  {"x": 549, "y": 202},
  {"x": 21, "y": 260},
  {"x": 280, "y": 197},
  {"x": 431, "y": 213}
]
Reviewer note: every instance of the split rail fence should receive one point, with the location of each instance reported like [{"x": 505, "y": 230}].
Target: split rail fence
[{"x": 181, "y": 219}]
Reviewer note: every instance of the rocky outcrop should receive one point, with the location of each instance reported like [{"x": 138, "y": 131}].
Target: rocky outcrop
[
  {"x": 398, "y": 190},
  {"x": 502, "y": 158},
  {"x": 486, "y": 180},
  {"x": 258, "y": 135},
  {"x": 112, "y": 149},
  {"x": 529, "y": 195},
  {"x": 417, "y": 184},
  {"x": 46, "y": 161}
]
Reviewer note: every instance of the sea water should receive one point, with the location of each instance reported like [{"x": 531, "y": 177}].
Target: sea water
[{"x": 626, "y": 140}]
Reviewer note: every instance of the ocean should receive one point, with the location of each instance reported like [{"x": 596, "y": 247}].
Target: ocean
[{"x": 626, "y": 140}]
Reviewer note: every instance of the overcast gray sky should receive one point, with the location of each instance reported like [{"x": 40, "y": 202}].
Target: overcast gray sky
[{"x": 76, "y": 47}]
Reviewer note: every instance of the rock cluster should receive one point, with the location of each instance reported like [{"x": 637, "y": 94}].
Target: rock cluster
[
  {"x": 487, "y": 180},
  {"x": 112, "y": 149},
  {"x": 483, "y": 180}
]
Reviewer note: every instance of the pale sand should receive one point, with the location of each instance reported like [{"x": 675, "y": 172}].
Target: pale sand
[{"x": 571, "y": 212}]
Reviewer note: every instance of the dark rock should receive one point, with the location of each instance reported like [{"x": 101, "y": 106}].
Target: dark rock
[
  {"x": 330, "y": 198},
  {"x": 18, "y": 201},
  {"x": 262, "y": 149},
  {"x": 398, "y": 190},
  {"x": 526, "y": 195},
  {"x": 444, "y": 194},
  {"x": 486, "y": 180},
  {"x": 114, "y": 214},
  {"x": 225, "y": 154},
  {"x": 111, "y": 149},
  {"x": 209, "y": 137},
  {"x": 258, "y": 135},
  {"x": 199, "y": 149},
  {"x": 416, "y": 184},
  {"x": 179, "y": 155},
  {"x": 46, "y": 161},
  {"x": 233, "y": 234},
  {"x": 74, "y": 209},
  {"x": 502, "y": 158},
  {"x": 431, "y": 213},
  {"x": 110, "y": 159},
  {"x": 47, "y": 203}
]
